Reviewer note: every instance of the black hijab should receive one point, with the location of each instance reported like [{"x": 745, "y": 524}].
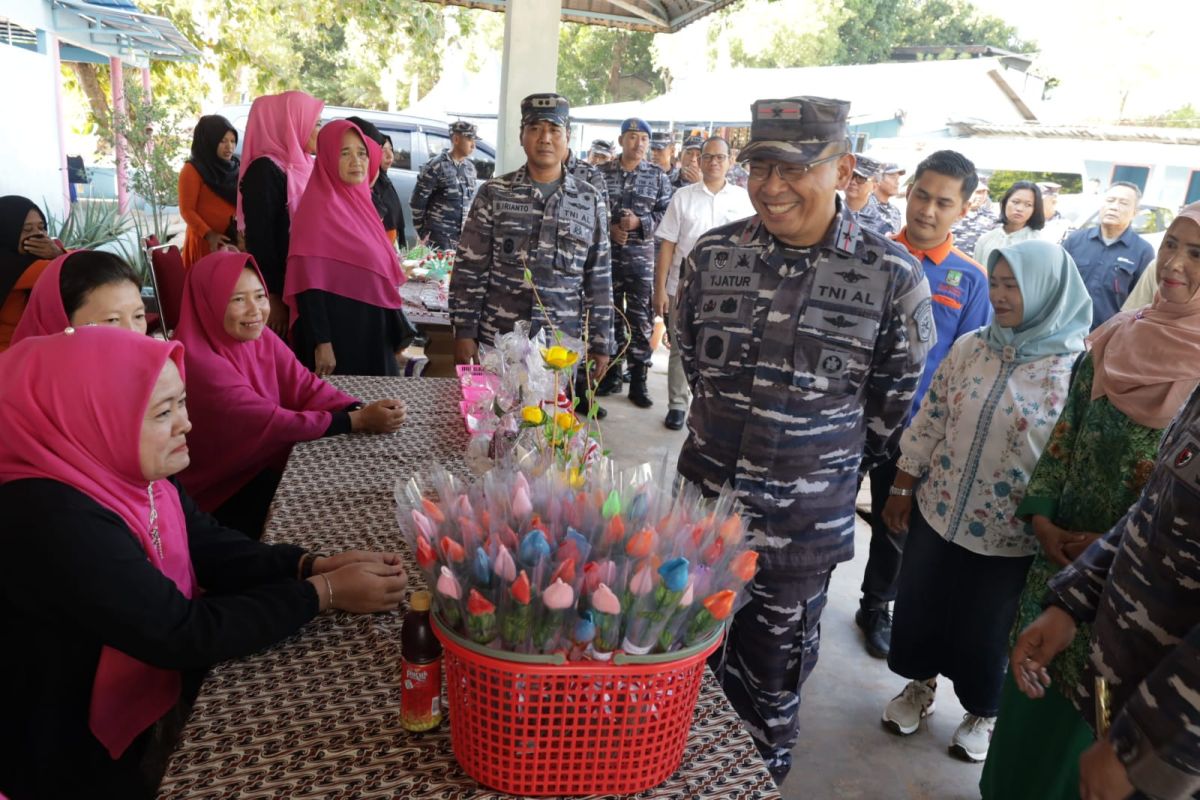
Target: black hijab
[
  {"x": 218, "y": 174},
  {"x": 13, "y": 210},
  {"x": 383, "y": 193}
]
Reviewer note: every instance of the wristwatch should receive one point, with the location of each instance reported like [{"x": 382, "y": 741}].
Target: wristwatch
[{"x": 897, "y": 492}]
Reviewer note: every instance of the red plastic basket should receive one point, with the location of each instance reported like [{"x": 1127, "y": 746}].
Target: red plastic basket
[{"x": 572, "y": 729}]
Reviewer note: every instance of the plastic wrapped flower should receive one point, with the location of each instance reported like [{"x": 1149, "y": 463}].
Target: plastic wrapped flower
[
  {"x": 557, "y": 598},
  {"x": 514, "y": 628},
  {"x": 717, "y": 608},
  {"x": 533, "y": 416},
  {"x": 504, "y": 567},
  {"x": 450, "y": 597},
  {"x": 567, "y": 421},
  {"x": 559, "y": 357},
  {"x": 607, "y": 616},
  {"x": 481, "y": 618}
]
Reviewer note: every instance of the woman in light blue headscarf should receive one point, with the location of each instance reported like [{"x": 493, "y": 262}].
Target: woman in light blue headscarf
[{"x": 966, "y": 459}]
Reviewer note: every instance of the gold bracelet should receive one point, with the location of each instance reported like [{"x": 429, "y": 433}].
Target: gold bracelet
[{"x": 329, "y": 587}]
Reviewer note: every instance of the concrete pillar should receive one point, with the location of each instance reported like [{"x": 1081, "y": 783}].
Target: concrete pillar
[
  {"x": 529, "y": 66},
  {"x": 117, "y": 79},
  {"x": 60, "y": 125},
  {"x": 146, "y": 95}
]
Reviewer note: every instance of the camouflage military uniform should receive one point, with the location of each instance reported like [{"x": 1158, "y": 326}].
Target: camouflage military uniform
[
  {"x": 441, "y": 198},
  {"x": 563, "y": 242},
  {"x": 871, "y": 216},
  {"x": 1140, "y": 589},
  {"x": 966, "y": 231},
  {"x": 738, "y": 176},
  {"x": 891, "y": 216},
  {"x": 646, "y": 192},
  {"x": 589, "y": 174},
  {"x": 802, "y": 363}
]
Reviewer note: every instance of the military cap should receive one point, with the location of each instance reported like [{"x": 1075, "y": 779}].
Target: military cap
[
  {"x": 462, "y": 128},
  {"x": 1049, "y": 188},
  {"x": 892, "y": 168},
  {"x": 601, "y": 147},
  {"x": 660, "y": 140},
  {"x": 546, "y": 106},
  {"x": 795, "y": 129},
  {"x": 983, "y": 183},
  {"x": 867, "y": 167},
  {"x": 693, "y": 143},
  {"x": 636, "y": 124}
]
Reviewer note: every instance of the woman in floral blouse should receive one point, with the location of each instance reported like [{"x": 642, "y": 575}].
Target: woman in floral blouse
[
  {"x": 968, "y": 455},
  {"x": 1140, "y": 371}
]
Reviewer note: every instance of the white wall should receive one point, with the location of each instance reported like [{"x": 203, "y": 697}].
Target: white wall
[{"x": 29, "y": 133}]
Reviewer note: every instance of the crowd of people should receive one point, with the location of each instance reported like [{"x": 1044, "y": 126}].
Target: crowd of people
[{"x": 1031, "y": 448}]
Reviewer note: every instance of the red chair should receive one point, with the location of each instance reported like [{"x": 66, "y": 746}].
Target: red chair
[{"x": 166, "y": 274}]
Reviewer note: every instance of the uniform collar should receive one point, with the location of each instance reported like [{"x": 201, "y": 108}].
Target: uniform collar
[
  {"x": 937, "y": 254},
  {"x": 1125, "y": 237}
]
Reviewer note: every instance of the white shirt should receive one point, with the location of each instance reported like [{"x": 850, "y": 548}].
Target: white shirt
[
  {"x": 694, "y": 211},
  {"x": 976, "y": 439}
]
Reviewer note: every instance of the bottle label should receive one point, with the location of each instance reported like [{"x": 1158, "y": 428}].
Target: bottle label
[{"x": 420, "y": 695}]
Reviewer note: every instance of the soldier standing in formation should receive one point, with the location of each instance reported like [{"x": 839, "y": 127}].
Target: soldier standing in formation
[
  {"x": 638, "y": 195},
  {"x": 542, "y": 219},
  {"x": 803, "y": 337},
  {"x": 444, "y": 190}
]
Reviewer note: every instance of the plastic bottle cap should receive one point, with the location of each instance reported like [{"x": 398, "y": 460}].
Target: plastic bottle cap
[{"x": 419, "y": 601}]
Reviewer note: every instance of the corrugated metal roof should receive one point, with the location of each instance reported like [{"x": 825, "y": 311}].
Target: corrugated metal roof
[
  {"x": 118, "y": 28},
  {"x": 1099, "y": 133},
  {"x": 658, "y": 16}
]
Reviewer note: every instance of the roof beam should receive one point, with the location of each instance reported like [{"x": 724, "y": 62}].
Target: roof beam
[{"x": 646, "y": 14}]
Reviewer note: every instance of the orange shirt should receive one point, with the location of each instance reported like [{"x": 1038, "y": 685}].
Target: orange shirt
[
  {"x": 203, "y": 210},
  {"x": 18, "y": 298}
]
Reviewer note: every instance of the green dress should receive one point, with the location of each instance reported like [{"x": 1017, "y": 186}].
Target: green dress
[{"x": 1092, "y": 470}]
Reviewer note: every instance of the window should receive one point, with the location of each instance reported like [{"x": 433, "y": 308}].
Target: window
[
  {"x": 436, "y": 143},
  {"x": 402, "y": 145},
  {"x": 1193, "y": 190},
  {"x": 1135, "y": 175},
  {"x": 485, "y": 164}
]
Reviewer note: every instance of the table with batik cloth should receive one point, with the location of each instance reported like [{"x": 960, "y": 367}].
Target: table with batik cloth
[{"x": 317, "y": 715}]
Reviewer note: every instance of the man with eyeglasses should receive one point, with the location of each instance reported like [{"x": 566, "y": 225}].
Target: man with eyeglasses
[
  {"x": 860, "y": 195},
  {"x": 694, "y": 210},
  {"x": 638, "y": 195},
  {"x": 541, "y": 221},
  {"x": 1111, "y": 256},
  {"x": 444, "y": 190},
  {"x": 803, "y": 336}
]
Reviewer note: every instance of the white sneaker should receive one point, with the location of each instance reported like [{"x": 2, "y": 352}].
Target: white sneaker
[
  {"x": 904, "y": 714},
  {"x": 972, "y": 738}
]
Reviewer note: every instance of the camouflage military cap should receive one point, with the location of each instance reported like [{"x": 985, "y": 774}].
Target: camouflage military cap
[
  {"x": 867, "y": 167},
  {"x": 547, "y": 106},
  {"x": 660, "y": 140},
  {"x": 795, "y": 129},
  {"x": 693, "y": 143},
  {"x": 601, "y": 147},
  {"x": 463, "y": 128},
  {"x": 892, "y": 168},
  {"x": 1050, "y": 188}
]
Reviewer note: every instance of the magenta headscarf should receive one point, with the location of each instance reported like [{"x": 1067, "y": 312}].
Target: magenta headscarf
[
  {"x": 249, "y": 402},
  {"x": 338, "y": 243},
  {"x": 45, "y": 313},
  {"x": 278, "y": 128},
  {"x": 85, "y": 432}
]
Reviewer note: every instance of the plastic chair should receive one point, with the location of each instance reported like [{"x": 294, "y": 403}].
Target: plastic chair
[{"x": 166, "y": 275}]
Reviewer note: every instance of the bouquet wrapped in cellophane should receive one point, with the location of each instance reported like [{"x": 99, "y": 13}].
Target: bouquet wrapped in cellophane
[{"x": 551, "y": 558}]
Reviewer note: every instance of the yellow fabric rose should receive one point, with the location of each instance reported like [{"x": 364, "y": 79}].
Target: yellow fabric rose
[
  {"x": 533, "y": 415},
  {"x": 566, "y": 421},
  {"x": 559, "y": 357}
]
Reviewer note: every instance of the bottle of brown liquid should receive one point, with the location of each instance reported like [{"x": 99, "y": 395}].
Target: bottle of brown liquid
[{"x": 420, "y": 668}]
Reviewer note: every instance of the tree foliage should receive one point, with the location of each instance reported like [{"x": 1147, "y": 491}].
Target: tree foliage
[{"x": 606, "y": 65}]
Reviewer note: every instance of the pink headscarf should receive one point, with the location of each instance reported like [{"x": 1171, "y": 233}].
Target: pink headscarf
[
  {"x": 249, "y": 402},
  {"x": 45, "y": 313},
  {"x": 338, "y": 244},
  {"x": 1148, "y": 361},
  {"x": 278, "y": 128},
  {"x": 85, "y": 432}
]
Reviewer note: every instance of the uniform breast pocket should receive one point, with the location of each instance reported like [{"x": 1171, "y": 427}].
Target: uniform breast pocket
[
  {"x": 572, "y": 252},
  {"x": 827, "y": 367},
  {"x": 720, "y": 351}
]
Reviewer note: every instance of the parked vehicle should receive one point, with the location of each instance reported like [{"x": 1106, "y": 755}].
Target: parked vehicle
[
  {"x": 1151, "y": 222},
  {"x": 415, "y": 140}
]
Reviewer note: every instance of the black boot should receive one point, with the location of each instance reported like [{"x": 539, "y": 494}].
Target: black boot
[
  {"x": 583, "y": 406},
  {"x": 637, "y": 386},
  {"x": 611, "y": 383},
  {"x": 876, "y": 625}
]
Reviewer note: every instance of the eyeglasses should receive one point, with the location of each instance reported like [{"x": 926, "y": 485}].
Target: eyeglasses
[
  {"x": 856, "y": 178},
  {"x": 720, "y": 158},
  {"x": 761, "y": 170}
]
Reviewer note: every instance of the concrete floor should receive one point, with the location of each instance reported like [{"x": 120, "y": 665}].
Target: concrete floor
[{"x": 844, "y": 753}]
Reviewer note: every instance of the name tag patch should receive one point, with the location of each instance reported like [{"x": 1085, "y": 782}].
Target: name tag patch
[
  {"x": 512, "y": 207},
  {"x": 848, "y": 284},
  {"x": 738, "y": 282}
]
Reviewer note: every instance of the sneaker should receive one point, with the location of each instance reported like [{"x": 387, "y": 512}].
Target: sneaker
[
  {"x": 972, "y": 737},
  {"x": 876, "y": 625},
  {"x": 904, "y": 714}
]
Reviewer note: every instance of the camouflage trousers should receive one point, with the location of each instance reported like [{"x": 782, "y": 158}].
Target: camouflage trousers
[
  {"x": 633, "y": 292},
  {"x": 442, "y": 240},
  {"x": 770, "y": 652}
]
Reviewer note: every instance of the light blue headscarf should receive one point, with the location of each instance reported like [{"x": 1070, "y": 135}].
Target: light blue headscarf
[{"x": 1058, "y": 308}]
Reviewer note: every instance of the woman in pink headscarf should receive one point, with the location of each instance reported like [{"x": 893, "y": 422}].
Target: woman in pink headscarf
[
  {"x": 115, "y": 591},
  {"x": 249, "y": 399},
  {"x": 84, "y": 287},
  {"x": 281, "y": 136},
  {"x": 343, "y": 281}
]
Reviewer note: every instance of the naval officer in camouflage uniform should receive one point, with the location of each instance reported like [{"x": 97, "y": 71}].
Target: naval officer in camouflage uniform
[
  {"x": 601, "y": 152},
  {"x": 803, "y": 336},
  {"x": 542, "y": 219},
  {"x": 638, "y": 195},
  {"x": 860, "y": 196},
  {"x": 662, "y": 153},
  {"x": 444, "y": 190}
]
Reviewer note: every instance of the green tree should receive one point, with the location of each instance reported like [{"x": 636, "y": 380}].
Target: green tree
[
  {"x": 952, "y": 22},
  {"x": 868, "y": 33},
  {"x": 606, "y": 65}
]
